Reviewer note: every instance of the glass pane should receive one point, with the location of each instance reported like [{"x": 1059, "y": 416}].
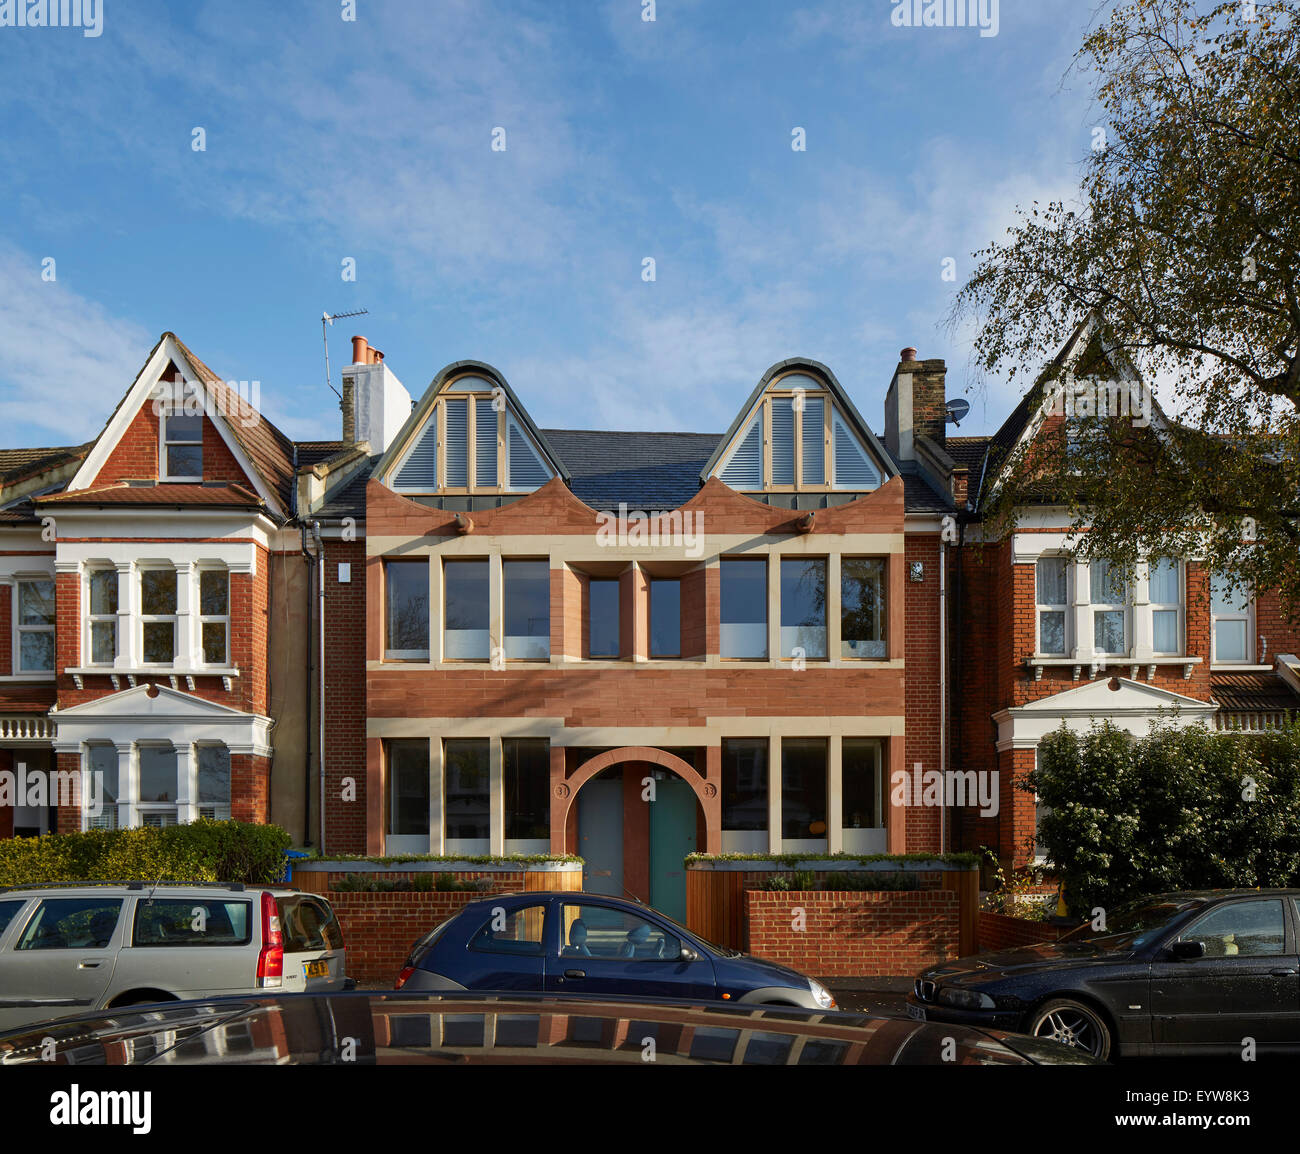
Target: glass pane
[
  {"x": 214, "y": 775},
  {"x": 601, "y": 932},
  {"x": 71, "y": 924},
  {"x": 527, "y": 592},
  {"x": 1052, "y": 578},
  {"x": 184, "y": 460},
  {"x": 1107, "y": 584},
  {"x": 526, "y": 766},
  {"x": 214, "y": 593},
  {"x": 1241, "y": 929},
  {"x": 408, "y": 605},
  {"x": 103, "y": 591},
  {"x": 1108, "y": 631},
  {"x": 103, "y": 641},
  {"x": 102, "y": 760},
  {"x": 36, "y": 652},
  {"x": 744, "y": 783},
  {"x": 36, "y": 602},
  {"x": 1051, "y": 632},
  {"x": 1230, "y": 641},
  {"x": 603, "y": 618},
  {"x": 803, "y": 787},
  {"x": 466, "y": 788},
  {"x": 803, "y": 606},
  {"x": 1223, "y": 599},
  {"x": 214, "y": 642},
  {"x": 466, "y": 585},
  {"x": 159, "y": 642},
  {"x": 743, "y": 589},
  {"x": 157, "y": 774},
  {"x": 185, "y": 427},
  {"x": 862, "y": 607},
  {"x": 1164, "y": 631},
  {"x": 665, "y": 618},
  {"x": 1164, "y": 583},
  {"x": 158, "y": 592},
  {"x": 408, "y": 787},
  {"x": 518, "y": 932},
  {"x": 860, "y": 765}
]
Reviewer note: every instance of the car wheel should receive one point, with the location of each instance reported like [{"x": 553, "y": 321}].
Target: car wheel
[{"x": 1073, "y": 1024}]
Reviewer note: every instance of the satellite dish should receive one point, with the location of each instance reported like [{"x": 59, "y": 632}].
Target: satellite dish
[{"x": 957, "y": 408}]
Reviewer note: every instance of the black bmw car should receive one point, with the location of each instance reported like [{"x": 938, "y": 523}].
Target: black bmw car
[{"x": 1208, "y": 972}]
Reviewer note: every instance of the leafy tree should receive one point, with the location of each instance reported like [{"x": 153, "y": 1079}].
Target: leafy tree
[
  {"x": 1186, "y": 242},
  {"x": 1178, "y": 809}
]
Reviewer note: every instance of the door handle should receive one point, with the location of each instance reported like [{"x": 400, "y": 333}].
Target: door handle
[
  {"x": 1281, "y": 973},
  {"x": 575, "y": 973},
  {"x": 89, "y": 964}
]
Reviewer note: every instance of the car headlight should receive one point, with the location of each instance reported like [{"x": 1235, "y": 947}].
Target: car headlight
[
  {"x": 821, "y": 995},
  {"x": 964, "y": 999}
]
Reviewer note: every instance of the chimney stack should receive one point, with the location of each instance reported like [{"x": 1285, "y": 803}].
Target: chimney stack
[
  {"x": 374, "y": 403},
  {"x": 915, "y": 405}
]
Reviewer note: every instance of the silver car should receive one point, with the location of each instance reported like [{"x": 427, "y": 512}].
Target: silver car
[{"x": 68, "y": 949}]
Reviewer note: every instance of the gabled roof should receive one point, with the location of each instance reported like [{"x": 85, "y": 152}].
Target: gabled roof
[
  {"x": 842, "y": 401},
  {"x": 263, "y": 451},
  {"x": 420, "y": 414}
]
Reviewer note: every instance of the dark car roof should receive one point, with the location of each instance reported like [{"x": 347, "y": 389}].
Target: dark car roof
[{"x": 431, "y": 1029}]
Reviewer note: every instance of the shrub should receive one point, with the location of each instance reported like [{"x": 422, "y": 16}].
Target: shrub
[
  {"x": 1178, "y": 809},
  {"x": 897, "y": 880},
  {"x": 226, "y": 851}
]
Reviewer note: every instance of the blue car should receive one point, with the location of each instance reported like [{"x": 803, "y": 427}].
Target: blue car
[{"x": 590, "y": 944}]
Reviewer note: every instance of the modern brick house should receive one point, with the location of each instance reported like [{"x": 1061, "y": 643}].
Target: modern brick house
[{"x": 775, "y": 639}]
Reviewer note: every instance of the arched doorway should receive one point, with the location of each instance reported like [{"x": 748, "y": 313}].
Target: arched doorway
[{"x": 633, "y": 814}]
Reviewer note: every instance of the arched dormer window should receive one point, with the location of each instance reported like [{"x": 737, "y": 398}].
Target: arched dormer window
[
  {"x": 796, "y": 438},
  {"x": 472, "y": 441}
]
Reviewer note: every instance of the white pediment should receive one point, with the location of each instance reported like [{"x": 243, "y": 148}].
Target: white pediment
[
  {"x": 151, "y": 701},
  {"x": 1133, "y": 706}
]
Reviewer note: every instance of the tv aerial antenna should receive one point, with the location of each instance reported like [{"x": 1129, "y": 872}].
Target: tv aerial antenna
[{"x": 327, "y": 319}]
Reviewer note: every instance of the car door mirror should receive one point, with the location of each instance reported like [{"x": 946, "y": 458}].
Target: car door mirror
[
  {"x": 1183, "y": 951},
  {"x": 688, "y": 955}
]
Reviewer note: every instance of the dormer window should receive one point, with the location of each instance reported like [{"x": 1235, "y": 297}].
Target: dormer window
[
  {"x": 182, "y": 447},
  {"x": 797, "y": 439}
]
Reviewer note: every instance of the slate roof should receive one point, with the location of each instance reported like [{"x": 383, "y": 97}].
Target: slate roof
[
  {"x": 1252, "y": 692},
  {"x": 312, "y": 452},
  {"x": 349, "y": 500},
  {"x": 919, "y": 496},
  {"x": 648, "y": 471}
]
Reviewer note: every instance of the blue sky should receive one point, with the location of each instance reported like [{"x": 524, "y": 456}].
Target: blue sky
[{"x": 625, "y": 139}]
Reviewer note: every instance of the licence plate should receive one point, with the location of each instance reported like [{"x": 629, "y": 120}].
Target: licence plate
[
  {"x": 319, "y": 969},
  {"x": 917, "y": 1012}
]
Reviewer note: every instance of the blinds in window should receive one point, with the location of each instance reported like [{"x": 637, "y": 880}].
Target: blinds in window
[
  {"x": 485, "y": 443},
  {"x": 745, "y": 469},
  {"x": 527, "y": 471},
  {"x": 420, "y": 469},
  {"x": 814, "y": 441},
  {"x": 853, "y": 468},
  {"x": 456, "y": 443},
  {"x": 782, "y": 440}
]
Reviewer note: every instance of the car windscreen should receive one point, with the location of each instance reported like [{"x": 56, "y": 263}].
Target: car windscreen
[{"x": 1132, "y": 925}]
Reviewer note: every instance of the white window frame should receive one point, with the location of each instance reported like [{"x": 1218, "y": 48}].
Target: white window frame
[
  {"x": 164, "y": 442},
  {"x": 92, "y": 618},
  {"x": 110, "y": 817},
  {"x": 1123, "y": 607},
  {"x": 144, "y": 618},
  {"x": 1065, "y": 608},
  {"x": 1177, "y": 607},
  {"x": 20, "y": 628},
  {"x": 210, "y": 618},
  {"x": 1247, "y": 615}
]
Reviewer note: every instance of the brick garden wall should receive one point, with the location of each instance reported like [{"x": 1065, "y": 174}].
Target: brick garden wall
[
  {"x": 1003, "y": 932},
  {"x": 852, "y": 934}
]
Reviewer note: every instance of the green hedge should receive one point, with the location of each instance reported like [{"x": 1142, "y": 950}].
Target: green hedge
[{"x": 225, "y": 851}]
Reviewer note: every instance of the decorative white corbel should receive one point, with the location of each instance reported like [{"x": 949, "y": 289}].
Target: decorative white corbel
[
  {"x": 117, "y": 681},
  {"x": 1151, "y": 672},
  {"x": 77, "y": 681},
  {"x": 130, "y": 680},
  {"x": 189, "y": 682}
]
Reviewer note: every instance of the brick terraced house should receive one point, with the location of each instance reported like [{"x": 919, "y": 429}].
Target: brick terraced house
[{"x": 784, "y": 634}]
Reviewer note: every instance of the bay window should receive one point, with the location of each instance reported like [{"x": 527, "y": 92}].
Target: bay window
[
  {"x": 665, "y": 617},
  {"x": 1108, "y": 594},
  {"x": 101, "y": 760},
  {"x": 158, "y": 616},
  {"x": 35, "y": 625},
  {"x": 159, "y": 791},
  {"x": 603, "y": 617},
  {"x": 1051, "y": 583},
  {"x": 214, "y": 616},
  {"x": 103, "y": 616},
  {"x": 214, "y": 782}
]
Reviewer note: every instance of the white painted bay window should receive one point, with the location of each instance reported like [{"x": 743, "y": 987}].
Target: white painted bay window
[
  {"x": 214, "y": 782},
  {"x": 1052, "y": 586},
  {"x": 158, "y": 604},
  {"x": 214, "y": 616},
  {"x": 1109, "y": 595},
  {"x": 35, "y": 625},
  {"x": 102, "y": 593},
  {"x": 159, "y": 790}
]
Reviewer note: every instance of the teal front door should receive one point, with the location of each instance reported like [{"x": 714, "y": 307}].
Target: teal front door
[{"x": 672, "y": 837}]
